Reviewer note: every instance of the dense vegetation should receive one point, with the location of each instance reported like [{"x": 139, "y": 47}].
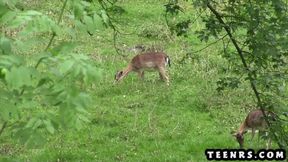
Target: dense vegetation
[{"x": 58, "y": 60}]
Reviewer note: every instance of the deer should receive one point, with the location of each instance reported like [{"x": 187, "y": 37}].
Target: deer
[
  {"x": 157, "y": 61},
  {"x": 254, "y": 121}
]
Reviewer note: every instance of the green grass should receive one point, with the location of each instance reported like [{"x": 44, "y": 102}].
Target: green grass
[{"x": 147, "y": 120}]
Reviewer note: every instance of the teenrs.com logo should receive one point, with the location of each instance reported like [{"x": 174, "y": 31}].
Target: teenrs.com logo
[{"x": 241, "y": 154}]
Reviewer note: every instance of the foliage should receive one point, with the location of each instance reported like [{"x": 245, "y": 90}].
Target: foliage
[
  {"x": 258, "y": 30},
  {"x": 134, "y": 120},
  {"x": 179, "y": 27},
  {"x": 46, "y": 90}
]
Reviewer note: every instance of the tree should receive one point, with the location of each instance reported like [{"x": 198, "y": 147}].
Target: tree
[
  {"x": 43, "y": 82},
  {"x": 257, "y": 33}
]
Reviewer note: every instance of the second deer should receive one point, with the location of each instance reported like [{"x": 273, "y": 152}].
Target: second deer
[{"x": 254, "y": 121}]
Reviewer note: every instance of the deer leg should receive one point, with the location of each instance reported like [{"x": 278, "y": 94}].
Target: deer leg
[
  {"x": 164, "y": 75},
  {"x": 252, "y": 134},
  {"x": 161, "y": 77},
  {"x": 268, "y": 143},
  {"x": 141, "y": 74}
]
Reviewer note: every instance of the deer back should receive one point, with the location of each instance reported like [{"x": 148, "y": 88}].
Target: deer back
[
  {"x": 149, "y": 60},
  {"x": 255, "y": 119}
]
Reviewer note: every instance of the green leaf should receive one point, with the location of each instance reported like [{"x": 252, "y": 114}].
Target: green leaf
[
  {"x": 8, "y": 109},
  {"x": 66, "y": 66},
  {"x": 98, "y": 22},
  {"x": 3, "y": 10},
  {"x": 49, "y": 126},
  {"x": 105, "y": 17},
  {"x": 7, "y": 61},
  {"x": 31, "y": 122},
  {"x": 18, "y": 21},
  {"x": 10, "y": 3},
  {"x": 31, "y": 13},
  {"x": 83, "y": 118},
  {"x": 63, "y": 48},
  {"x": 88, "y": 21},
  {"x": 78, "y": 124},
  {"x": 81, "y": 101},
  {"x": 37, "y": 124},
  {"x": 18, "y": 77},
  {"x": 35, "y": 140},
  {"x": 78, "y": 10},
  {"x": 7, "y": 17},
  {"x": 5, "y": 46}
]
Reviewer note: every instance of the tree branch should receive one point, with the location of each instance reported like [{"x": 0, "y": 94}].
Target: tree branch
[
  {"x": 3, "y": 127},
  {"x": 210, "y": 44},
  {"x": 115, "y": 30},
  {"x": 53, "y": 34}
]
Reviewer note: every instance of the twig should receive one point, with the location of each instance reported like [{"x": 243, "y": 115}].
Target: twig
[
  {"x": 58, "y": 22},
  {"x": 114, "y": 28},
  {"x": 210, "y": 44},
  {"x": 53, "y": 34},
  {"x": 3, "y": 127}
]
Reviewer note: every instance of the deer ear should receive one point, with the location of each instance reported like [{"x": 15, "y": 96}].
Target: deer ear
[
  {"x": 233, "y": 133},
  {"x": 118, "y": 73}
]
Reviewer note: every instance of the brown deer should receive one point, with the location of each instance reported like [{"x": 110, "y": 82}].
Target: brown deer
[
  {"x": 254, "y": 121},
  {"x": 157, "y": 61}
]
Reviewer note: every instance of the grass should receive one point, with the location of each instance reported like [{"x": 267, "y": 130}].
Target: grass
[{"x": 147, "y": 120}]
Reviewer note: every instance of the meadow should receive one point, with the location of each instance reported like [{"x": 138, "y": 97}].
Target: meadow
[{"x": 147, "y": 120}]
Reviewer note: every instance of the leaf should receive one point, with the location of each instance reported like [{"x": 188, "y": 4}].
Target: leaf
[
  {"x": 43, "y": 81},
  {"x": 83, "y": 118},
  {"x": 31, "y": 13},
  {"x": 7, "y": 61},
  {"x": 5, "y": 46},
  {"x": 18, "y": 77},
  {"x": 88, "y": 21},
  {"x": 23, "y": 134},
  {"x": 18, "y": 21},
  {"x": 78, "y": 124},
  {"x": 78, "y": 10},
  {"x": 63, "y": 48},
  {"x": 3, "y": 10},
  {"x": 81, "y": 101},
  {"x": 35, "y": 140},
  {"x": 8, "y": 109},
  {"x": 98, "y": 22},
  {"x": 66, "y": 66},
  {"x": 31, "y": 123},
  {"x": 173, "y": 8},
  {"x": 105, "y": 17},
  {"x": 49, "y": 126},
  {"x": 8, "y": 17},
  {"x": 37, "y": 124}
]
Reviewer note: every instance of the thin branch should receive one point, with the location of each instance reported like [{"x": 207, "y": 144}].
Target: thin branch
[
  {"x": 210, "y": 44},
  {"x": 192, "y": 22},
  {"x": 3, "y": 127},
  {"x": 53, "y": 34},
  {"x": 58, "y": 22},
  {"x": 114, "y": 28}
]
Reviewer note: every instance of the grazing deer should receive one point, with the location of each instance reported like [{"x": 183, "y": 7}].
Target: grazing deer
[
  {"x": 146, "y": 61},
  {"x": 255, "y": 121}
]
